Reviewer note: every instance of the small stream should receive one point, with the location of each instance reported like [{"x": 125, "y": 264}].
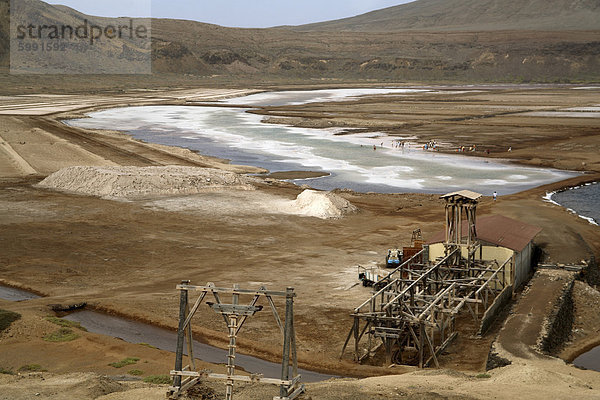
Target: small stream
[
  {"x": 138, "y": 332},
  {"x": 14, "y": 294}
]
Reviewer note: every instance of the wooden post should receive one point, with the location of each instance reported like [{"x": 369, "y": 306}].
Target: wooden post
[
  {"x": 447, "y": 224},
  {"x": 421, "y": 345},
  {"x": 356, "y": 338},
  {"x": 388, "y": 350},
  {"x": 294, "y": 349},
  {"x": 183, "y": 304},
  {"x": 285, "y": 362}
]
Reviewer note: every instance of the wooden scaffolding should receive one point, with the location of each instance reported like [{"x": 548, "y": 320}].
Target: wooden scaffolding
[
  {"x": 461, "y": 206},
  {"x": 235, "y": 314},
  {"x": 412, "y": 314}
]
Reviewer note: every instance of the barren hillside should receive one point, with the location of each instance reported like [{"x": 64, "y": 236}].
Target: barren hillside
[
  {"x": 472, "y": 15},
  {"x": 189, "y": 51}
]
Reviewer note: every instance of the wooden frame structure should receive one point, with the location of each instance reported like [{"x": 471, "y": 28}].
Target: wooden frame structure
[
  {"x": 413, "y": 312},
  {"x": 235, "y": 314},
  {"x": 458, "y": 204}
]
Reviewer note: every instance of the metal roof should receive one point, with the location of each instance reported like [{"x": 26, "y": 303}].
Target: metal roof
[
  {"x": 463, "y": 193},
  {"x": 499, "y": 230}
]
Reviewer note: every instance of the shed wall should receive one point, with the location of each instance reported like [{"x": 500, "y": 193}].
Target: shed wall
[
  {"x": 523, "y": 265},
  {"x": 516, "y": 272}
]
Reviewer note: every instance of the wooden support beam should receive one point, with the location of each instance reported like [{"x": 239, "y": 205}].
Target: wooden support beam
[
  {"x": 239, "y": 378},
  {"x": 431, "y": 349},
  {"x": 356, "y": 337},
  {"x": 437, "y": 299},
  {"x": 419, "y": 280},
  {"x": 183, "y": 300},
  {"x": 194, "y": 309},
  {"x": 190, "y": 339},
  {"x": 285, "y": 361},
  {"x": 347, "y": 340},
  {"x": 443, "y": 346},
  {"x": 421, "y": 345},
  {"x": 234, "y": 315},
  {"x": 243, "y": 319},
  {"x": 275, "y": 313},
  {"x": 213, "y": 289}
]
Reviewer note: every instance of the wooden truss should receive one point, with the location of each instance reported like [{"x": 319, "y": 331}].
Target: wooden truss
[
  {"x": 413, "y": 312},
  {"x": 234, "y": 315}
]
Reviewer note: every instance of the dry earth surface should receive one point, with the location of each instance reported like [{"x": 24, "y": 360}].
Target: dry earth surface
[{"x": 125, "y": 258}]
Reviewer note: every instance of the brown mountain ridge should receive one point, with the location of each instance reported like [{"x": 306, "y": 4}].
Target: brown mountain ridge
[
  {"x": 472, "y": 15},
  {"x": 423, "y": 51}
]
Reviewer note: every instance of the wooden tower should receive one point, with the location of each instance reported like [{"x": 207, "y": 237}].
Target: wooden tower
[{"x": 461, "y": 219}]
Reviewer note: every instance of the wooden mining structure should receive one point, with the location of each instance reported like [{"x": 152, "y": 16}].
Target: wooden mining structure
[
  {"x": 411, "y": 318},
  {"x": 235, "y": 315}
]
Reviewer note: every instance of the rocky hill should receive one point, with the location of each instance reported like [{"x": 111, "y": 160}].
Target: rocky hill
[
  {"x": 61, "y": 40},
  {"x": 472, "y": 15},
  {"x": 423, "y": 51}
]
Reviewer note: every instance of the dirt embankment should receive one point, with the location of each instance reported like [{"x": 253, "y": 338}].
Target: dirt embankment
[
  {"x": 556, "y": 315},
  {"x": 559, "y": 324},
  {"x": 573, "y": 327},
  {"x": 586, "y": 324},
  {"x": 528, "y": 322}
]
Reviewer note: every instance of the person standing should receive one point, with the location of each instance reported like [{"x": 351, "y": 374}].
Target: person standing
[{"x": 495, "y": 195}]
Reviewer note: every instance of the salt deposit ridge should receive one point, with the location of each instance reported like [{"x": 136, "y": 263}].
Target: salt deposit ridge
[
  {"x": 136, "y": 182},
  {"x": 233, "y": 134},
  {"x": 192, "y": 189}
]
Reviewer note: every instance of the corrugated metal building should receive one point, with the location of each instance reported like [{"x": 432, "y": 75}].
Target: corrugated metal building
[{"x": 500, "y": 237}]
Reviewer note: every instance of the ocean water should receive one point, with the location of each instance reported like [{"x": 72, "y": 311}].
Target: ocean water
[
  {"x": 351, "y": 160},
  {"x": 589, "y": 360},
  {"x": 583, "y": 200}
]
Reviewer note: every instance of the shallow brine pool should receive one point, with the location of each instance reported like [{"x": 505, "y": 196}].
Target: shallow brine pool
[{"x": 362, "y": 162}]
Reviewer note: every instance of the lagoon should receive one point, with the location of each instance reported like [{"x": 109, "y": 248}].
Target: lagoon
[{"x": 364, "y": 162}]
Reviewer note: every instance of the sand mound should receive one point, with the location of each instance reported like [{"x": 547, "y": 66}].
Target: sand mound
[
  {"x": 132, "y": 182},
  {"x": 322, "y": 205},
  {"x": 231, "y": 203}
]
